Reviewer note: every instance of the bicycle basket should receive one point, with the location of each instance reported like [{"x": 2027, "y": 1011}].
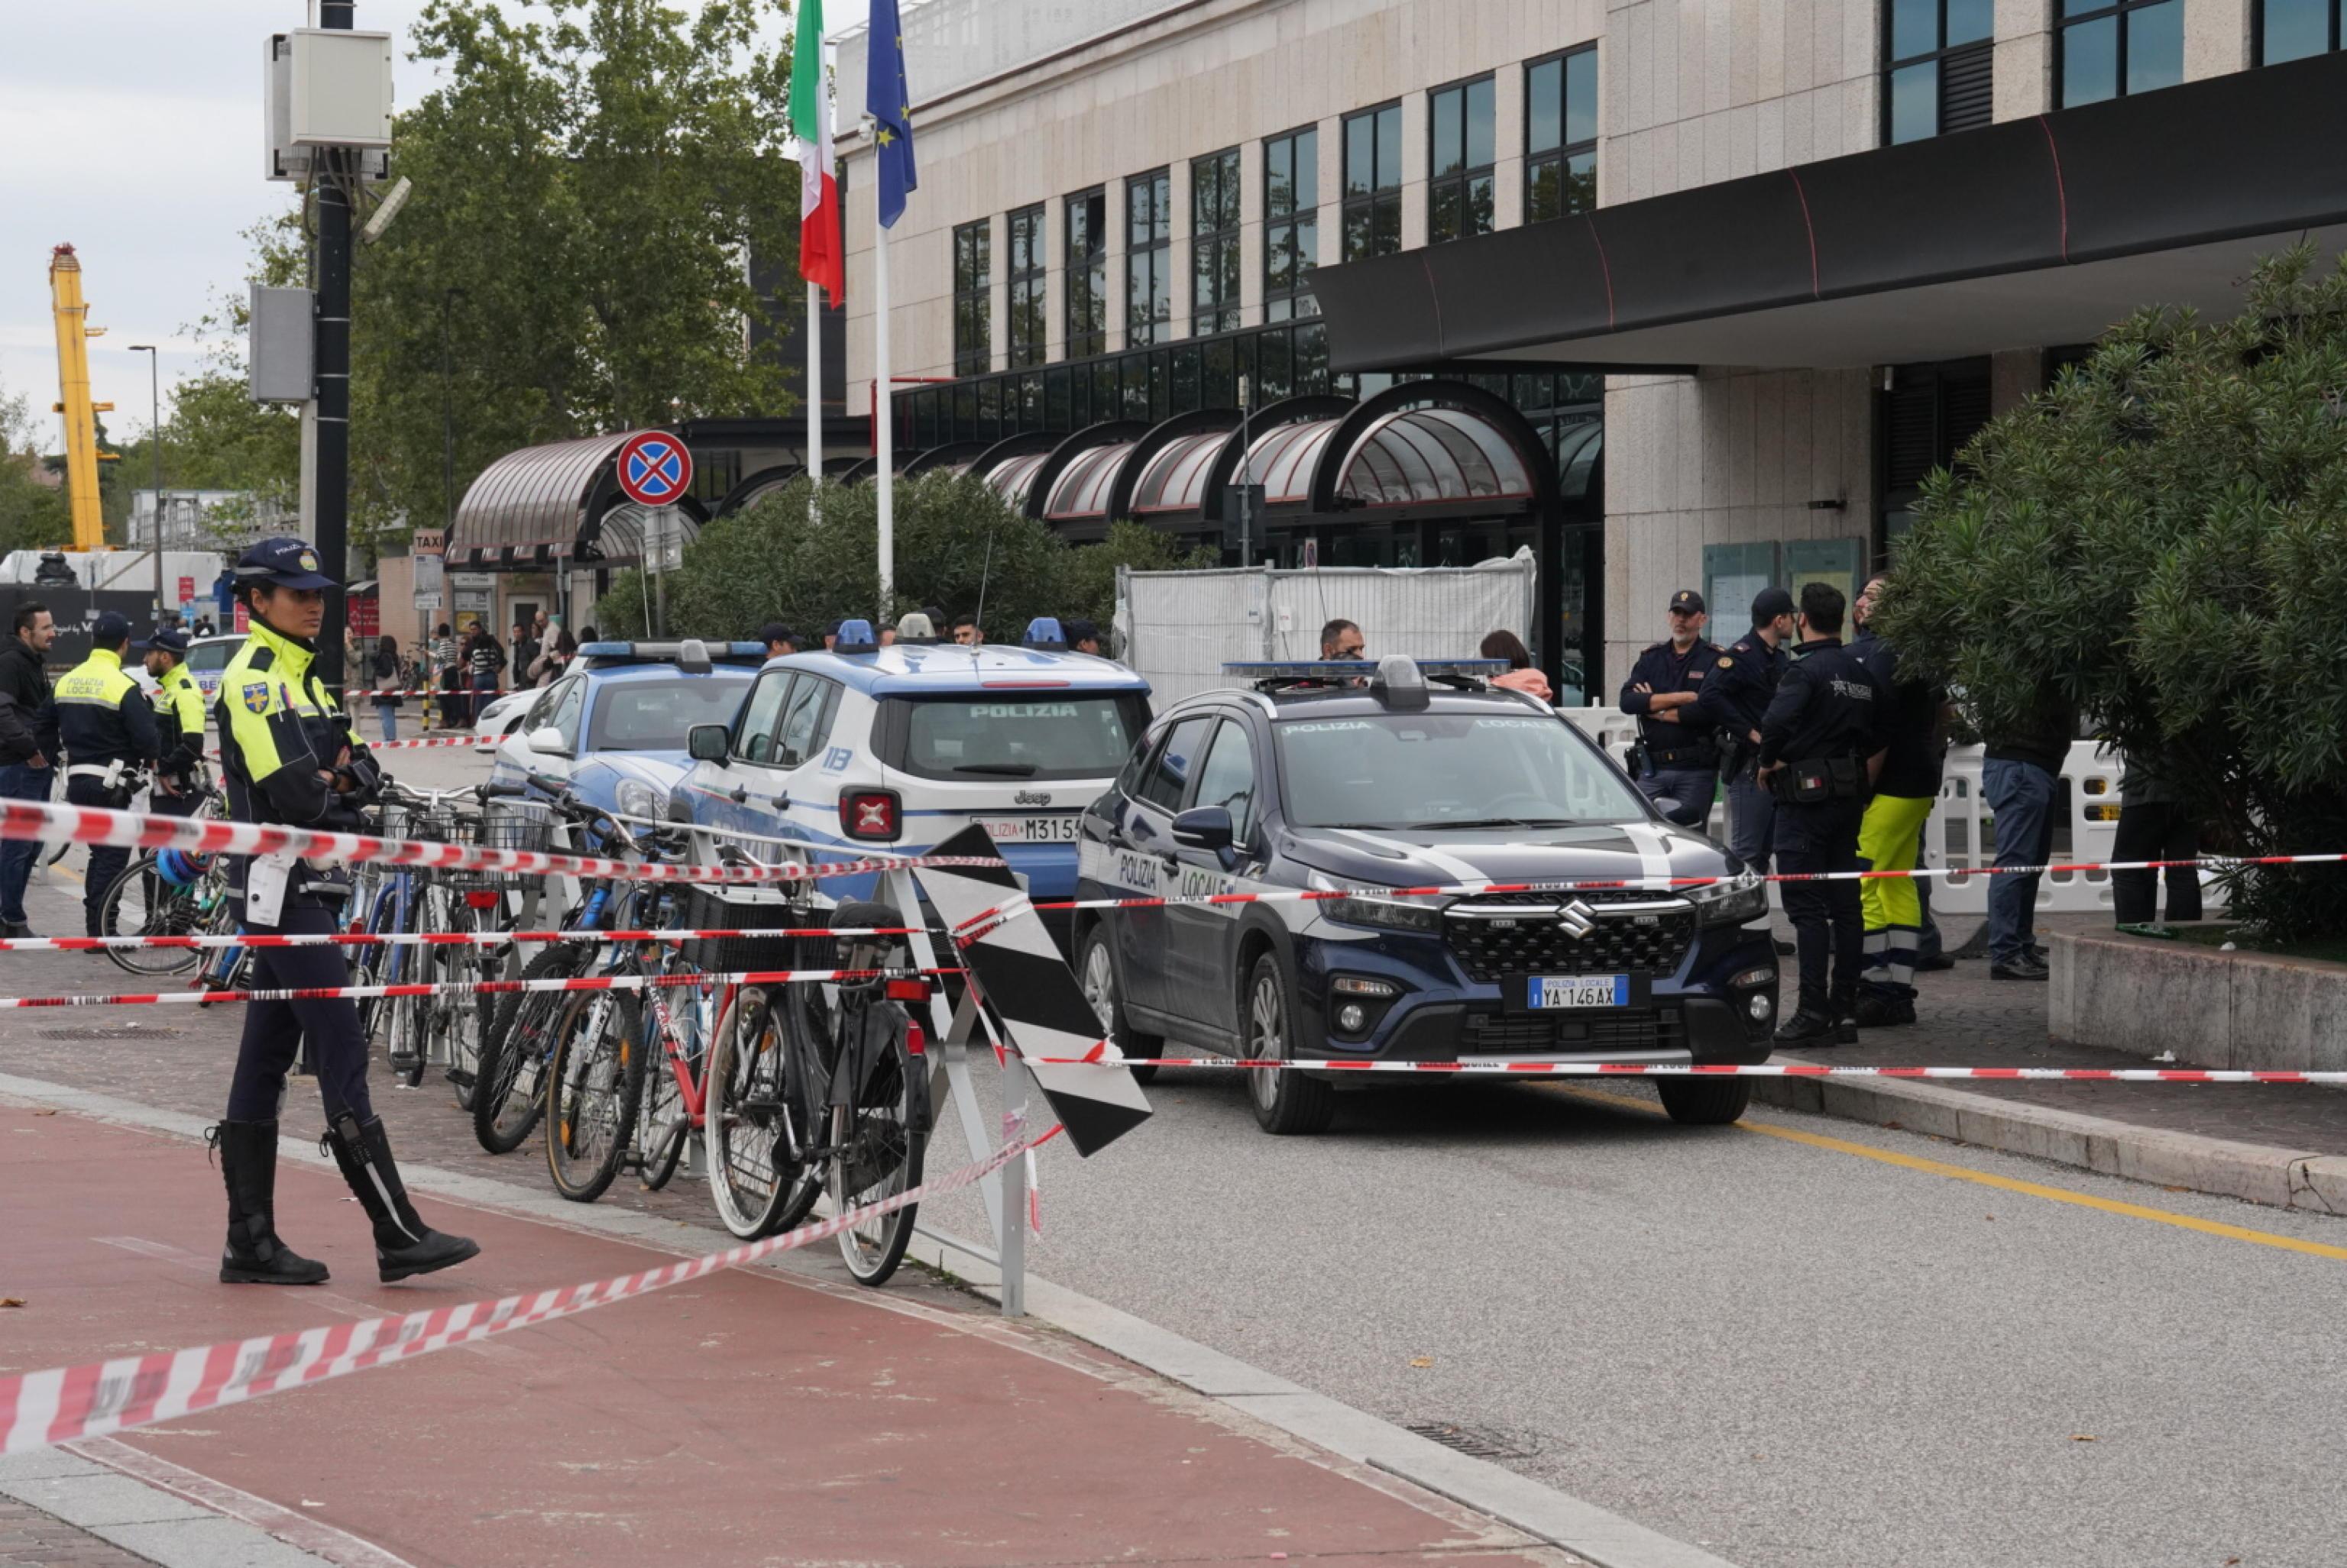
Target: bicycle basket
[{"x": 513, "y": 828}]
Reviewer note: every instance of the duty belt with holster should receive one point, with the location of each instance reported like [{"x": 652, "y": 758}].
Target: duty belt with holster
[
  {"x": 1819, "y": 778},
  {"x": 119, "y": 779},
  {"x": 1705, "y": 755}
]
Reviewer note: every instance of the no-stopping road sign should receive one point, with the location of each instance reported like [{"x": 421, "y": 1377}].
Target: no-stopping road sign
[{"x": 654, "y": 468}]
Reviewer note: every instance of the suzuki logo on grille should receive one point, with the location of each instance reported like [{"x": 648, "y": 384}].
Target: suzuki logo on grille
[{"x": 1577, "y": 918}]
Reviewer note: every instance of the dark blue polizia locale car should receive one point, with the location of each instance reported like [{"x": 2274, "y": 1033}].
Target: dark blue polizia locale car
[{"x": 1407, "y": 775}]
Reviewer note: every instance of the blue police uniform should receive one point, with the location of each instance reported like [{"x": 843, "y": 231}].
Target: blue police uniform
[
  {"x": 1823, "y": 724},
  {"x": 1681, "y": 760},
  {"x": 108, "y": 733},
  {"x": 282, "y": 745},
  {"x": 1735, "y": 699}
]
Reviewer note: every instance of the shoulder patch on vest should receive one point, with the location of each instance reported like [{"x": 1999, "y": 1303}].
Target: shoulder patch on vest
[
  {"x": 1727, "y": 663},
  {"x": 256, "y": 696}
]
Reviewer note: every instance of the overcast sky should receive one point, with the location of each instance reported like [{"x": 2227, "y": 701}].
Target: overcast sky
[{"x": 131, "y": 129}]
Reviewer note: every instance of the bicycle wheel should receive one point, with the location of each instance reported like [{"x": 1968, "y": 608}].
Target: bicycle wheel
[
  {"x": 756, "y": 1179},
  {"x": 883, "y": 1135},
  {"x": 140, "y": 903},
  {"x": 461, "y": 1019},
  {"x": 592, "y": 1084},
  {"x": 662, "y": 1128},
  {"x": 509, "y": 1099}
]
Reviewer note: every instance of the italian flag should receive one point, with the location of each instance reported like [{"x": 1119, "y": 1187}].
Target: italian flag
[{"x": 819, "y": 249}]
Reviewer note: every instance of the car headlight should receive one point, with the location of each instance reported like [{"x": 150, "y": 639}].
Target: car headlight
[
  {"x": 1732, "y": 901},
  {"x": 1417, "y": 916},
  {"x": 635, "y": 797}
]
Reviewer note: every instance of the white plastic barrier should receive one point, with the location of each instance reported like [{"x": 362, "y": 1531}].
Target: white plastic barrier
[{"x": 1959, "y": 834}]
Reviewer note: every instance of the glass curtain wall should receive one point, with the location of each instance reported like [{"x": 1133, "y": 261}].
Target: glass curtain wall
[
  {"x": 1560, "y": 134},
  {"x": 1029, "y": 261},
  {"x": 1291, "y": 224},
  {"x": 1087, "y": 279},
  {"x": 1215, "y": 243},
  {"x": 1373, "y": 182},
  {"x": 1458, "y": 184}
]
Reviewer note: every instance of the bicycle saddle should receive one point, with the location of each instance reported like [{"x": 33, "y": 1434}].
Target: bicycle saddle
[{"x": 855, "y": 912}]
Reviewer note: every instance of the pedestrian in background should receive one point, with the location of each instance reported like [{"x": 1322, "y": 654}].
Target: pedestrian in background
[
  {"x": 443, "y": 669},
  {"x": 1342, "y": 639},
  {"x": 2020, "y": 768},
  {"x": 2155, "y": 824},
  {"x": 525, "y": 652},
  {"x": 966, "y": 631},
  {"x": 1520, "y": 676},
  {"x": 383, "y": 671},
  {"x": 1736, "y": 695},
  {"x": 483, "y": 662},
  {"x": 1914, "y": 737},
  {"x": 25, "y": 678},
  {"x": 1680, "y": 759}
]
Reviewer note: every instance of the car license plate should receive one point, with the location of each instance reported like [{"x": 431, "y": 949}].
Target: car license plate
[
  {"x": 1033, "y": 830},
  {"x": 1547, "y": 991}
]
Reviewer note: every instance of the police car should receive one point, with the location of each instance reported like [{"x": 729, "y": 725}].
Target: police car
[
  {"x": 614, "y": 726},
  {"x": 207, "y": 656},
  {"x": 1397, "y": 775},
  {"x": 897, "y": 749}
]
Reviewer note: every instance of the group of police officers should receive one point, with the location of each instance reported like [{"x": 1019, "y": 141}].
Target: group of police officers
[
  {"x": 1830, "y": 762},
  {"x": 289, "y": 754}
]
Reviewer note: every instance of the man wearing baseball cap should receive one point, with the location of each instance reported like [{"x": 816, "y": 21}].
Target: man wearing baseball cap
[
  {"x": 178, "y": 723},
  {"x": 290, "y": 754},
  {"x": 1666, "y": 687},
  {"x": 108, "y": 732}
]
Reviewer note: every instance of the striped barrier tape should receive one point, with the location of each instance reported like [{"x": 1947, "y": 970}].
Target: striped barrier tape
[
  {"x": 1503, "y": 1067},
  {"x": 45, "y": 821},
  {"x": 38, "y": 1410},
  {"x": 418, "y": 743},
  {"x": 459, "y": 987},
  {"x": 429, "y": 938}
]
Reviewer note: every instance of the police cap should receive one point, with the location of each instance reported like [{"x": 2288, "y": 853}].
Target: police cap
[
  {"x": 170, "y": 639},
  {"x": 108, "y": 630},
  {"x": 1771, "y": 603},
  {"x": 283, "y": 562},
  {"x": 1688, "y": 600}
]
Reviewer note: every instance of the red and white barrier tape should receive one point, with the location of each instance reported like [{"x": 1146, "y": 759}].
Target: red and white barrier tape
[
  {"x": 43, "y": 821},
  {"x": 1508, "y": 1067},
  {"x": 427, "y": 938},
  {"x": 457, "y": 987},
  {"x": 416, "y": 744},
  {"x": 41, "y": 1409}
]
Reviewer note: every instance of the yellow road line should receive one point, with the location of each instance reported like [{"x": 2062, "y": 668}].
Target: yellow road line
[{"x": 2008, "y": 1184}]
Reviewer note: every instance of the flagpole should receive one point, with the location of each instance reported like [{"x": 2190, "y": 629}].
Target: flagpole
[
  {"x": 883, "y": 425},
  {"x": 814, "y": 394}
]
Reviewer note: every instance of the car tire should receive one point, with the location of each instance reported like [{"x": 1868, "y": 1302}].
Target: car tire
[
  {"x": 1705, "y": 1102},
  {"x": 1286, "y": 1102},
  {"x": 1096, "y": 972}
]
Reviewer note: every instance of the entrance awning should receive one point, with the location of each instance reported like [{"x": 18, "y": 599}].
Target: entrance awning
[
  {"x": 525, "y": 510},
  {"x": 2036, "y": 231}
]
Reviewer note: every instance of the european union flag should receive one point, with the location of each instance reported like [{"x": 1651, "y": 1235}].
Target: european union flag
[{"x": 890, "y": 104}]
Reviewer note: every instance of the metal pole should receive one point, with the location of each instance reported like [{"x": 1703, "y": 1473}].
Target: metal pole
[
  {"x": 815, "y": 396},
  {"x": 1246, "y": 463},
  {"x": 155, "y": 439},
  {"x": 883, "y": 422},
  {"x": 332, "y": 352},
  {"x": 1014, "y": 1191}
]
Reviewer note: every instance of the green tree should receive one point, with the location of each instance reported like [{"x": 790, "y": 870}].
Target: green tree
[
  {"x": 33, "y": 514},
  {"x": 2159, "y": 541}
]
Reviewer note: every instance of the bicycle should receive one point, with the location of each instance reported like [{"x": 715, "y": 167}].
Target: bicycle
[
  {"x": 809, "y": 1099},
  {"x": 170, "y": 892},
  {"x": 404, "y": 901}
]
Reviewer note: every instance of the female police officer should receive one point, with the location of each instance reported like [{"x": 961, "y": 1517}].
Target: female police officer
[{"x": 290, "y": 756}]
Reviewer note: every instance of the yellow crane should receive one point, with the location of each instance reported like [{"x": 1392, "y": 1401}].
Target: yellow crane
[{"x": 82, "y": 455}]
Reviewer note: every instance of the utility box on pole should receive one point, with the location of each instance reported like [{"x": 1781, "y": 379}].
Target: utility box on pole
[
  {"x": 278, "y": 367},
  {"x": 326, "y": 88}
]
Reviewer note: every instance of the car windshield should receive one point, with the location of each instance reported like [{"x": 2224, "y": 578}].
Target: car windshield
[
  {"x": 211, "y": 656},
  {"x": 653, "y": 715},
  {"x": 1433, "y": 771},
  {"x": 1068, "y": 735}
]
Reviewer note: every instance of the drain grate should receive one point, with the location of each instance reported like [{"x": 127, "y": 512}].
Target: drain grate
[
  {"x": 114, "y": 1032},
  {"x": 1476, "y": 1442}
]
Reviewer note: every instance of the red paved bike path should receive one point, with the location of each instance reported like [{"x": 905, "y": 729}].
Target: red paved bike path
[{"x": 748, "y": 1418}]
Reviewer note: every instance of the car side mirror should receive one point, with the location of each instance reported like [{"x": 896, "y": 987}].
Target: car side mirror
[
  {"x": 1204, "y": 828},
  {"x": 707, "y": 742},
  {"x": 548, "y": 738}
]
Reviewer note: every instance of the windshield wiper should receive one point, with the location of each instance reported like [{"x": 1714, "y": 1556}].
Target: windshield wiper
[
  {"x": 999, "y": 770},
  {"x": 1494, "y": 822}
]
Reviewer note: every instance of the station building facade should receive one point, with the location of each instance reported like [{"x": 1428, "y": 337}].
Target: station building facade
[{"x": 1677, "y": 292}]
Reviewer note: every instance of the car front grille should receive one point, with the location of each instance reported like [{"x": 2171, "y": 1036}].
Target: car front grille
[
  {"x": 1537, "y": 943},
  {"x": 1541, "y": 1034}
]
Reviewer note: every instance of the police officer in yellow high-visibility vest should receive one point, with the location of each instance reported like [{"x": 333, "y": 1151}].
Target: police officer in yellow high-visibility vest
[
  {"x": 178, "y": 723},
  {"x": 290, "y": 754},
  {"x": 108, "y": 732}
]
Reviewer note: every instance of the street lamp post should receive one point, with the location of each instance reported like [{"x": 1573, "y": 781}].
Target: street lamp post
[{"x": 155, "y": 439}]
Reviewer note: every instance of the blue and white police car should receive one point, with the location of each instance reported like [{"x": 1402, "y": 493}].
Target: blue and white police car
[
  {"x": 1404, "y": 775},
  {"x": 614, "y": 726},
  {"x": 897, "y": 749}
]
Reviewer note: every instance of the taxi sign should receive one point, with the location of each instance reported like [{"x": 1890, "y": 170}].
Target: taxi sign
[{"x": 654, "y": 468}]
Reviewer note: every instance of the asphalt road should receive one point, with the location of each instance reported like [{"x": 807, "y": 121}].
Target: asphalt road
[{"x": 1795, "y": 1342}]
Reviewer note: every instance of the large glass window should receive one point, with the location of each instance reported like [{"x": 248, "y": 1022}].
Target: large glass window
[
  {"x": 1291, "y": 224},
  {"x": 1214, "y": 242},
  {"x": 1064, "y": 735},
  {"x": 653, "y": 715},
  {"x": 2293, "y": 29},
  {"x": 1459, "y": 179},
  {"x": 1028, "y": 261},
  {"x": 1148, "y": 258},
  {"x": 1937, "y": 56},
  {"x": 973, "y": 248},
  {"x": 2112, "y": 48},
  {"x": 1087, "y": 274},
  {"x": 1560, "y": 134},
  {"x": 1373, "y": 182}
]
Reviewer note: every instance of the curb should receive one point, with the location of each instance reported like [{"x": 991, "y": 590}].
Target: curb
[{"x": 2254, "y": 1173}]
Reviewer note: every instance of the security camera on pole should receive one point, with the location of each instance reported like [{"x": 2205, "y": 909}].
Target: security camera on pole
[{"x": 889, "y": 108}]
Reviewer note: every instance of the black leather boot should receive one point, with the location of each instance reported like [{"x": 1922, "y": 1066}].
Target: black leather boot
[
  {"x": 254, "y": 1255},
  {"x": 404, "y": 1244}
]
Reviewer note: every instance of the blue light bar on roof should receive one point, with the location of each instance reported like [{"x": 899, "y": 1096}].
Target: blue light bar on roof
[
  {"x": 854, "y": 636},
  {"x": 1354, "y": 669},
  {"x": 664, "y": 653}
]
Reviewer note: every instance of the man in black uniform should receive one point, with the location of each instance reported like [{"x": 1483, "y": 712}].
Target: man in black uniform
[
  {"x": 1665, "y": 687},
  {"x": 1819, "y": 752},
  {"x": 107, "y": 730},
  {"x": 290, "y": 754},
  {"x": 1735, "y": 697}
]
